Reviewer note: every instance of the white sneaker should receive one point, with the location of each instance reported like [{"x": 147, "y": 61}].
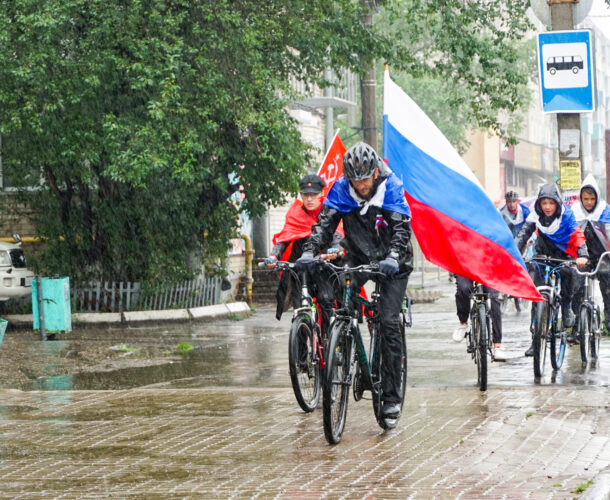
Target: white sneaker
[
  {"x": 460, "y": 332},
  {"x": 499, "y": 353}
]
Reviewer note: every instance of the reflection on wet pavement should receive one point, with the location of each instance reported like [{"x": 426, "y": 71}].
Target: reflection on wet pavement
[{"x": 221, "y": 422}]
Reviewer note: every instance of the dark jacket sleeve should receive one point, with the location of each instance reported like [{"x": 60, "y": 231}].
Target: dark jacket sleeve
[
  {"x": 279, "y": 249},
  {"x": 322, "y": 233},
  {"x": 336, "y": 242},
  {"x": 401, "y": 236},
  {"x": 524, "y": 234},
  {"x": 583, "y": 251}
]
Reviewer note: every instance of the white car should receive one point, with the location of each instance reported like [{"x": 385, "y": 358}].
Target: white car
[{"x": 15, "y": 277}]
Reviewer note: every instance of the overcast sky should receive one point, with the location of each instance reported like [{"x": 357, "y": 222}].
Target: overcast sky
[{"x": 600, "y": 14}]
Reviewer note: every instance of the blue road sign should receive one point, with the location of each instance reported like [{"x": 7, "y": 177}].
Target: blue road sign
[{"x": 565, "y": 66}]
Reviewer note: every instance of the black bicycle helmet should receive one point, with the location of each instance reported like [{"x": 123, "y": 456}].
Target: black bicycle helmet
[
  {"x": 512, "y": 195},
  {"x": 360, "y": 162}
]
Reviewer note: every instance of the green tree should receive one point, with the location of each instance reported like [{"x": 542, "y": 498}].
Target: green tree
[{"x": 136, "y": 120}]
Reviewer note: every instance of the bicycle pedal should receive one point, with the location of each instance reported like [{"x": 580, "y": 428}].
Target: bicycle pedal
[{"x": 469, "y": 349}]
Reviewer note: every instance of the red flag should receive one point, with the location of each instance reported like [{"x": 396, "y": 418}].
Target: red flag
[
  {"x": 298, "y": 224},
  {"x": 332, "y": 165}
]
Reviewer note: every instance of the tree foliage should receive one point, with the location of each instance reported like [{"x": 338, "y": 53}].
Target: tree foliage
[
  {"x": 136, "y": 120},
  {"x": 466, "y": 63}
]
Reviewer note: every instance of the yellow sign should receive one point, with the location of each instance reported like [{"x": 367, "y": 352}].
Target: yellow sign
[{"x": 569, "y": 172}]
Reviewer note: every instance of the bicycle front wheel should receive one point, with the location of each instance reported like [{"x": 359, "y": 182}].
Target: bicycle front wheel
[
  {"x": 335, "y": 390},
  {"x": 584, "y": 332},
  {"x": 480, "y": 335},
  {"x": 304, "y": 365},
  {"x": 541, "y": 326},
  {"x": 596, "y": 333},
  {"x": 557, "y": 347}
]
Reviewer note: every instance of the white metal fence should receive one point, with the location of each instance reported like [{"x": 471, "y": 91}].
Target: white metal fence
[{"x": 118, "y": 296}]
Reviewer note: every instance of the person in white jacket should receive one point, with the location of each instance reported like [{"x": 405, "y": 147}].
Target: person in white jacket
[{"x": 593, "y": 216}]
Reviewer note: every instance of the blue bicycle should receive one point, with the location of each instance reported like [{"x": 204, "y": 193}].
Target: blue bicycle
[{"x": 547, "y": 332}]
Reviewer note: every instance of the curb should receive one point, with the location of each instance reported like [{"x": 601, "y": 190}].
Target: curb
[
  {"x": 601, "y": 487},
  {"x": 240, "y": 309}
]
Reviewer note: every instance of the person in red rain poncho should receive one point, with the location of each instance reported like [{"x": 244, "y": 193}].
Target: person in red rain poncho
[{"x": 288, "y": 245}]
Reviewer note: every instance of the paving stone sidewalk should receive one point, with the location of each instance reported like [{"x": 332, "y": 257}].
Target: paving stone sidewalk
[{"x": 524, "y": 442}]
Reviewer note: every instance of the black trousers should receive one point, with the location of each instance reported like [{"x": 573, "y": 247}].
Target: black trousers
[
  {"x": 464, "y": 289},
  {"x": 392, "y": 291}
]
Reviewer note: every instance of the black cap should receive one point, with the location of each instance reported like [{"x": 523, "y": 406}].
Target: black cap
[{"x": 311, "y": 184}]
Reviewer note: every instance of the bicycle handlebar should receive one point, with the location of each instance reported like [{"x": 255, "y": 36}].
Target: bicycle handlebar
[
  {"x": 545, "y": 258},
  {"x": 372, "y": 268},
  {"x": 593, "y": 273}
]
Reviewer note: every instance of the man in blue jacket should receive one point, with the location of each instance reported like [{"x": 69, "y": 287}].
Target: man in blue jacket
[
  {"x": 514, "y": 213},
  {"x": 370, "y": 201}
]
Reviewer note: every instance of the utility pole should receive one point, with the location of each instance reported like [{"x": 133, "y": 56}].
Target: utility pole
[
  {"x": 562, "y": 18},
  {"x": 367, "y": 89}
]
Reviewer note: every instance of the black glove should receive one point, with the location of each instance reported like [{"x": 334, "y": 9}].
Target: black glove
[
  {"x": 304, "y": 262},
  {"x": 389, "y": 266}
]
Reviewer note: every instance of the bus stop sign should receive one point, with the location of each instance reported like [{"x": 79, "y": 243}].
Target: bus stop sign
[{"x": 565, "y": 66}]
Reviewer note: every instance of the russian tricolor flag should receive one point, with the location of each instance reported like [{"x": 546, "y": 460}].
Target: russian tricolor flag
[{"x": 456, "y": 224}]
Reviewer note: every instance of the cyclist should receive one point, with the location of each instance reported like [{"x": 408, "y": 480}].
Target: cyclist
[
  {"x": 514, "y": 213},
  {"x": 464, "y": 289},
  {"x": 593, "y": 216},
  {"x": 288, "y": 245},
  {"x": 370, "y": 200},
  {"x": 559, "y": 237}
]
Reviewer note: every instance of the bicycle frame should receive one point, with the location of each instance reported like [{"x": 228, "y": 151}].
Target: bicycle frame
[
  {"x": 311, "y": 308},
  {"x": 589, "y": 326},
  {"x": 350, "y": 312},
  {"x": 480, "y": 296}
]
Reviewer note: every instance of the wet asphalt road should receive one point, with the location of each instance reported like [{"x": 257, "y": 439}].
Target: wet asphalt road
[{"x": 223, "y": 423}]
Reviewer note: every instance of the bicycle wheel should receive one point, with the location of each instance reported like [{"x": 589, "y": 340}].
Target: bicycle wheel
[
  {"x": 480, "y": 335},
  {"x": 584, "y": 332},
  {"x": 376, "y": 364},
  {"x": 557, "y": 346},
  {"x": 303, "y": 363},
  {"x": 596, "y": 333},
  {"x": 541, "y": 326},
  {"x": 335, "y": 390}
]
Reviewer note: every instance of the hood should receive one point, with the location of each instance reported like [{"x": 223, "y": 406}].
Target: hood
[
  {"x": 590, "y": 182},
  {"x": 548, "y": 191}
]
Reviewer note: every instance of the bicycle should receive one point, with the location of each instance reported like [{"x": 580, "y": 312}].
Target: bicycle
[
  {"x": 479, "y": 335},
  {"x": 589, "y": 318},
  {"x": 305, "y": 344},
  {"x": 545, "y": 325},
  {"x": 505, "y": 299},
  {"x": 347, "y": 362}
]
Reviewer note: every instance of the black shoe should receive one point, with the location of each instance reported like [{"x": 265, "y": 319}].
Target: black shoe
[
  {"x": 390, "y": 410},
  {"x": 530, "y": 351}
]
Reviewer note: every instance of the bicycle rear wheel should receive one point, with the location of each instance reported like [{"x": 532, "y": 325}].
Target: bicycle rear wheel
[
  {"x": 557, "y": 347},
  {"x": 584, "y": 332},
  {"x": 376, "y": 364},
  {"x": 480, "y": 334},
  {"x": 304, "y": 365},
  {"x": 335, "y": 390},
  {"x": 541, "y": 326}
]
